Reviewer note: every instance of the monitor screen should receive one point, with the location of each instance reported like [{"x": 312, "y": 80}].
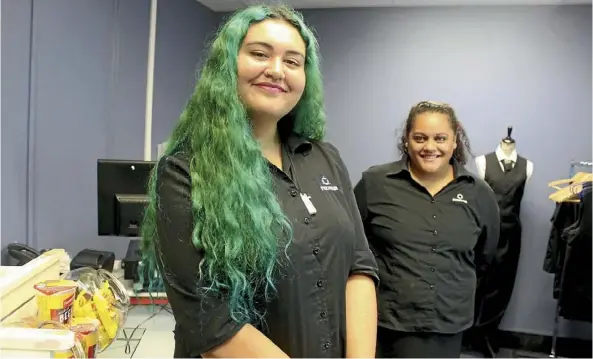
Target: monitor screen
[{"x": 121, "y": 196}]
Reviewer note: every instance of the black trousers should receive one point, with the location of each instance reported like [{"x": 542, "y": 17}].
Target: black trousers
[
  {"x": 394, "y": 344},
  {"x": 493, "y": 298}
]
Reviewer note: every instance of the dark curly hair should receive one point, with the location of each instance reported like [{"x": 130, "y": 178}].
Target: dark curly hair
[{"x": 463, "y": 150}]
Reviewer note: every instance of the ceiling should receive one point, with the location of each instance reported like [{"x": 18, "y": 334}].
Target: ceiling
[{"x": 230, "y": 5}]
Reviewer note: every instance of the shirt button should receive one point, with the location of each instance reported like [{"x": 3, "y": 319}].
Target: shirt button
[
  {"x": 326, "y": 345},
  {"x": 431, "y": 286},
  {"x": 320, "y": 283},
  {"x": 432, "y": 201},
  {"x": 316, "y": 251},
  {"x": 323, "y": 314},
  {"x": 434, "y": 216},
  {"x": 435, "y": 232},
  {"x": 433, "y": 249},
  {"x": 293, "y": 193},
  {"x": 432, "y": 269},
  {"x": 307, "y": 220}
]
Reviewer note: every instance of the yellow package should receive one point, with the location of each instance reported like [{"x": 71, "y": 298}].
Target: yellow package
[
  {"x": 86, "y": 330},
  {"x": 83, "y": 306},
  {"x": 55, "y": 299},
  {"x": 107, "y": 315},
  {"x": 103, "y": 339},
  {"x": 96, "y": 306},
  {"x": 107, "y": 293}
]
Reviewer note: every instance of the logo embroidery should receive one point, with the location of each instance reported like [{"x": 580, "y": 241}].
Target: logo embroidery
[
  {"x": 459, "y": 199},
  {"x": 326, "y": 185}
]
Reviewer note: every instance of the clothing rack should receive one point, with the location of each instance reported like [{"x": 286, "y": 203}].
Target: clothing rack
[{"x": 573, "y": 166}]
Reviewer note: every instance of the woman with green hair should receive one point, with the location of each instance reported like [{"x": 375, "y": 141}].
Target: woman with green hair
[{"x": 252, "y": 223}]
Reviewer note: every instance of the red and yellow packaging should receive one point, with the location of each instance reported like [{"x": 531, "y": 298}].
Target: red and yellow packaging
[
  {"x": 55, "y": 299},
  {"x": 86, "y": 330}
]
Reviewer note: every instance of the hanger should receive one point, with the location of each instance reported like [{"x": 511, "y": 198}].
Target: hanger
[{"x": 568, "y": 193}]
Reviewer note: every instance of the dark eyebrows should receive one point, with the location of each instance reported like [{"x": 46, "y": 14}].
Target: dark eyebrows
[
  {"x": 423, "y": 134},
  {"x": 270, "y": 47}
]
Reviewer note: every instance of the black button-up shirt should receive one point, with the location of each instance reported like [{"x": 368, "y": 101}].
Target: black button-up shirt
[
  {"x": 428, "y": 248},
  {"x": 308, "y": 316}
]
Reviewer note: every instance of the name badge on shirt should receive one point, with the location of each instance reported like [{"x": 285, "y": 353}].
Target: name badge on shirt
[{"x": 307, "y": 201}]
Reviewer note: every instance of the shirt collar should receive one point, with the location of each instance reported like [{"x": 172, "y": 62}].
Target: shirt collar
[
  {"x": 293, "y": 142},
  {"x": 403, "y": 166},
  {"x": 502, "y": 156},
  {"x": 297, "y": 144}
]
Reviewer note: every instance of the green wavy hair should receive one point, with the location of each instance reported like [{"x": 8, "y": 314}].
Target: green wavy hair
[{"x": 238, "y": 221}]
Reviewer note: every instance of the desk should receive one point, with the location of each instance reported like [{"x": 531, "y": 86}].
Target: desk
[{"x": 153, "y": 337}]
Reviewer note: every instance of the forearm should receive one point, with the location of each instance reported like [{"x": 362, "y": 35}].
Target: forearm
[
  {"x": 247, "y": 343},
  {"x": 361, "y": 317}
]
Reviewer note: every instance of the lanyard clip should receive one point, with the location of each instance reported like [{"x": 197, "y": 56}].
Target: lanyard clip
[{"x": 307, "y": 201}]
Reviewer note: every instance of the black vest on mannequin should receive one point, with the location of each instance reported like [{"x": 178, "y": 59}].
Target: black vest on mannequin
[{"x": 508, "y": 186}]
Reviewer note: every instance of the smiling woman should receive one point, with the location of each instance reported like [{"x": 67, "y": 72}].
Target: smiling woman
[
  {"x": 258, "y": 259},
  {"x": 434, "y": 229},
  {"x": 271, "y": 77},
  {"x": 433, "y": 138}
]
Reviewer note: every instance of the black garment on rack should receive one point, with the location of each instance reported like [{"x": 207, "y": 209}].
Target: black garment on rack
[{"x": 569, "y": 251}]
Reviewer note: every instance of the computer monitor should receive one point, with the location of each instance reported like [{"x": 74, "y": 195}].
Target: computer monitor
[{"x": 122, "y": 187}]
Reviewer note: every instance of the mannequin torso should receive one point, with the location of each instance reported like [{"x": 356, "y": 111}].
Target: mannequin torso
[{"x": 504, "y": 151}]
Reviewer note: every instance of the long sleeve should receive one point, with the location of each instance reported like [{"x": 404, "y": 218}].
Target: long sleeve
[{"x": 203, "y": 321}]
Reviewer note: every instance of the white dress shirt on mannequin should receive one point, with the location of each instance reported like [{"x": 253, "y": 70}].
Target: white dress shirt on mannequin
[{"x": 508, "y": 153}]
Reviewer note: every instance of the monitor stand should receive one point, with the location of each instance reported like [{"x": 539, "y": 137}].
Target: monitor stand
[{"x": 131, "y": 260}]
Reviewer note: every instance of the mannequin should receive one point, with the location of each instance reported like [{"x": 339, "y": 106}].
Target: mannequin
[
  {"x": 505, "y": 151},
  {"x": 507, "y": 173}
]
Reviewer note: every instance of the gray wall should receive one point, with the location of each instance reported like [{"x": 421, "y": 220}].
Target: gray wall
[
  {"x": 16, "y": 33},
  {"x": 73, "y": 91},
  {"x": 185, "y": 28},
  {"x": 525, "y": 66}
]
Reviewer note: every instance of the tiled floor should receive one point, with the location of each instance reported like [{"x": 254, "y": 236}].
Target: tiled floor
[{"x": 153, "y": 337}]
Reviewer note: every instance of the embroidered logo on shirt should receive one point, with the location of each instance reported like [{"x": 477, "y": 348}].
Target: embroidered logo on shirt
[
  {"x": 459, "y": 199},
  {"x": 326, "y": 185}
]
